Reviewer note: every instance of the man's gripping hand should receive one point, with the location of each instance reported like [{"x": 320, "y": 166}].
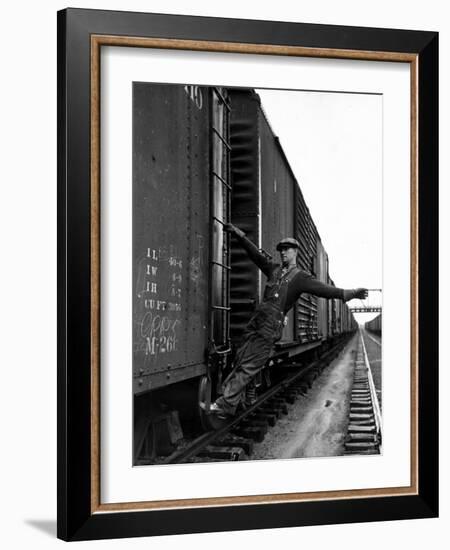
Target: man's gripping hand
[{"x": 360, "y": 293}]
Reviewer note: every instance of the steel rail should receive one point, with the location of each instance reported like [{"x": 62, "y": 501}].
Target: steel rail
[
  {"x": 205, "y": 439},
  {"x": 373, "y": 393}
]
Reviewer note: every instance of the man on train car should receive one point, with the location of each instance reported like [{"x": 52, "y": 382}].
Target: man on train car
[{"x": 284, "y": 285}]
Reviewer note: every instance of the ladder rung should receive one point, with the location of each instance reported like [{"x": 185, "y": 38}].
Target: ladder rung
[
  {"x": 222, "y": 98},
  {"x": 222, "y": 180},
  {"x": 218, "y": 220},
  {"x": 222, "y": 139},
  {"x": 221, "y": 265}
]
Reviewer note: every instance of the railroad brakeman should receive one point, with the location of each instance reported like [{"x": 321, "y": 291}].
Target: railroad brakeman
[{"x": 284, "y": 285}]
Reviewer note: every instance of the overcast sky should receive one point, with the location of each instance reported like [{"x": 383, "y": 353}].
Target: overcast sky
[{"x": 334, "y": 144}]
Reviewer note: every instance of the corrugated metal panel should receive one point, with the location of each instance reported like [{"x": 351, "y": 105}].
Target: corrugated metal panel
[
  {"x": 245, "y": 207},
  {"x": 329, "y": 312},
  {"x": 339, "y": 309},
  {"x": 170, "y": 233},
  {"x": 322, "y": 305},
  {"x": 306, "y": 307}
]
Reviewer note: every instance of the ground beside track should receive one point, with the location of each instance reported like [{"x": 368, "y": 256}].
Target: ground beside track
[{"x": 317, "y": 422}]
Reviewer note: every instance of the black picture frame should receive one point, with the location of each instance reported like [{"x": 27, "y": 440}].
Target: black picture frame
[{"x": 77, "y": 517}]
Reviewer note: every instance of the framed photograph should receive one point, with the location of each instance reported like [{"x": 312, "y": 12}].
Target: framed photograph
[{"x": 247, "y": 286}]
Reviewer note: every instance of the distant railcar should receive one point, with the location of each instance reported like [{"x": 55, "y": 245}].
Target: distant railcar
[{"x": 375, "y": 325}]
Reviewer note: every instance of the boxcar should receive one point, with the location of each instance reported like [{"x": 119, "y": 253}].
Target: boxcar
[
  {"x": 375, "y": 325},
  {"x": 180, "y": 201}
]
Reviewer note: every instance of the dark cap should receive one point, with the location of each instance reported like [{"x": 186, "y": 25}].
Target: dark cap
[{"x": 288, "y": 243}]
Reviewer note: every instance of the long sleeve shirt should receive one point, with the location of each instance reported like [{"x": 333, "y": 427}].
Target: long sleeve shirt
[{"x": 301, "y": 282}]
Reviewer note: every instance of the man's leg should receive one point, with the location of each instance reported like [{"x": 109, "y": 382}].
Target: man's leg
[{"x": 250, "y": 359}]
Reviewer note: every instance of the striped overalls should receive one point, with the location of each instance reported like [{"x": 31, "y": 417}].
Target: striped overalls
[{"x": 263, "y": 330}]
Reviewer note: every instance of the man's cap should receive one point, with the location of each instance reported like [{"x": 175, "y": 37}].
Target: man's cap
[{"x": 288, "y": 243}]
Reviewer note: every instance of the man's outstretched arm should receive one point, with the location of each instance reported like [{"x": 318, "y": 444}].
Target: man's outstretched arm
[
  {"x": 257, "y": 257},
  {"x": 306, "y": 283}
]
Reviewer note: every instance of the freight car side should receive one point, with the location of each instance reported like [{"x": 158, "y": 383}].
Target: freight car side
[
  {"x": 285, "y": 212},
  {"x": 277, "y": 189},
  {"x": 321, "y": 272},
  {"x": 375, "y": 325},
  {"x": 170, "y": 235},
  {"x": 180, "y": 202}
]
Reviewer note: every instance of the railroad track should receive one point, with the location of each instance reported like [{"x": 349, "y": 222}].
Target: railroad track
[
  {"x": 235, "y": 439},
  {"x": 364, "y": 428}
]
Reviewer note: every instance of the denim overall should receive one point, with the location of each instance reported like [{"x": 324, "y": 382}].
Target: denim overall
[{"x": 263, "y": 330}]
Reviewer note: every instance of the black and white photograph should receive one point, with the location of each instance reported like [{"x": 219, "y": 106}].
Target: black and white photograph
[{"x": 257, "y": 273}]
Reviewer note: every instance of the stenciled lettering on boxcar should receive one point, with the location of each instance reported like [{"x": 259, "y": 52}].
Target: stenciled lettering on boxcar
[
  {"x": 159, "y": 288},
  {"x": 195, "y": 95},
  {"x": 160, "y": 333}
]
